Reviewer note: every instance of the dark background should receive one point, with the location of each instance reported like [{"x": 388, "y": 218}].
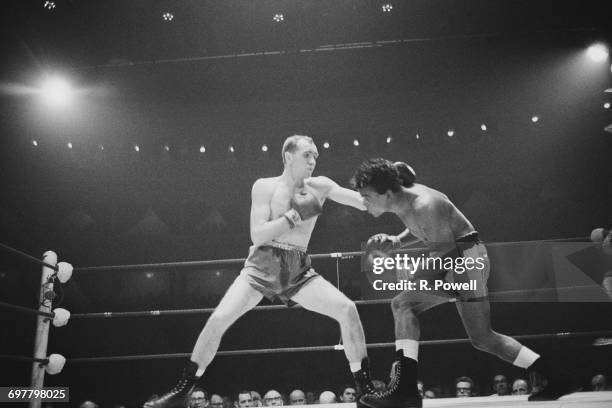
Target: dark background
[{"x": 335, "y": 70}]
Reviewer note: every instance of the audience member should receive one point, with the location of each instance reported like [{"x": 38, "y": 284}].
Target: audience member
[
  {"x": 198, "y": 398},
  {"x": 464, "y": 387},
  {"x": 297, "y": 397},
  {"x": 501, "y": 385},
  {"x": 244, "y": 399},
  {"x": 327, "y": 397},
  {"x": 257, "y": 401},
  {"x": 520, "y": 387},
  {"x": 599, "y": 383},
  {"x": 272, "y": 398},
  {"x": 347, "y": 393}
]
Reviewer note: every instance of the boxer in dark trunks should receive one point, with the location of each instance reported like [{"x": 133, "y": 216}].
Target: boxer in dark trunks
[
  {"x": 284, "y": 211},
  {"x": 431, "y": 217}
]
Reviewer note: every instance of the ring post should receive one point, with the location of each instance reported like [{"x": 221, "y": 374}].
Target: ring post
[{"x": 42, "y": 326}]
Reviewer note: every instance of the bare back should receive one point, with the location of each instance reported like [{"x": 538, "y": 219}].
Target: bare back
[{"x": 433, "y": 218}]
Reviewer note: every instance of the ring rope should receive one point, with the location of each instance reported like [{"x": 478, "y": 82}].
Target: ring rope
[
  {"x": 29, "y": 257},
  {"x": 7, "y": 357},
  {"x": 173, "y": 312},
  {"x": 560, "y": 335},
  {"x": 231, "y": 261},
  {"x": 26, "y": 310}
]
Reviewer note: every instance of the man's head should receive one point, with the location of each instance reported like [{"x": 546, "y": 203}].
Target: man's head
[
  {"x": 297, "y": 397},
  {"x": 327, "y": 397},
  {"x": 273, "y": 398},
  {"x": 244, "y": 399},
  {"x": 464, "y": 387},
  {"x": 257, "y": 402},
  {"x": 216, "y": 401},
  {"x": 377, "y": 180},
  {"x": 420, "y": 388},
  {"x": 198, "y": 398},
  {"x": 599, "y": 383},
  {"x": 300, "y": 155},
  {"x": 501, "y": 385},
  {"x": 348, "y": 393},
  {"x": 520, "y": 387}
]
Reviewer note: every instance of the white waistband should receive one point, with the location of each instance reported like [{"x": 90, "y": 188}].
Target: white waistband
[{"x": 285, "y": 245}]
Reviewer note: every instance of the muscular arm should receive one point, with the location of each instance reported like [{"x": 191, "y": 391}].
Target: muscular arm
[
  {"x": 341, "y": 195},
  {"x": 262, "y": 228}
]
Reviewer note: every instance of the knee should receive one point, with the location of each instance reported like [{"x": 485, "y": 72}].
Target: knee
[
  {"x": 401, "y": 307},
  {"x": 218, "y": 320},
  {"x": 484, "y": 341},
  {"x": 347, "y": 312}
]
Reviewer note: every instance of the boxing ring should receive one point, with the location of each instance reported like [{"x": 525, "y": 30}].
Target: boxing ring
[{"x": 58, "y": 273}]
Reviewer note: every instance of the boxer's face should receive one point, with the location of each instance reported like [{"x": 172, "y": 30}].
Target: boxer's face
[
  {"x": 304, "y": 160},
  {"x": 375, "y": 203}
]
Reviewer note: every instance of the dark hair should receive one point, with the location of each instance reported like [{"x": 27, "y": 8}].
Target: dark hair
[
  {"x": 243, "y": 392},
  {"x": 345, "y": 386},
  {"x": 465, "y": 379},
  {"x": 379, "y": 174},
  {"x": 407, "y": 173},
  {"x": 198, "y": 389}
]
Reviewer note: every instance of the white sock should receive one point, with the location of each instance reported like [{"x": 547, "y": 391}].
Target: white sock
[
  {"x": 409, "y": 347},
  {"x": 525, "y": 357},
  {"x": 355, "y": 366},
  {"x": 199, "y": 372}
]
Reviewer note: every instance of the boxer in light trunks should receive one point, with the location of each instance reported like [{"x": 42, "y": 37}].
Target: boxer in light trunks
[
  {"x": 431, "y": 217},
  {"x": 284, "y": 211}
]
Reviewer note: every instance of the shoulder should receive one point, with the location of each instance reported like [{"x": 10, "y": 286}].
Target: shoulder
[
  {"x": 264, "y": 185},
  {"x": 320, "y": 182},
  {"x": 431, "y": 203}
]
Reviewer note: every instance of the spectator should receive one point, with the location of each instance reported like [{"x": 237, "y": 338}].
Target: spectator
[
  {"x": 501, "y": 385},
  {"x": 327, "y": 397},
  {"x": 257, "y": 402},
  {"x": 272, "y": 398},
  {"x": 347, "y": 393},
  {"x": 520, "y": 387},
  {"x": 228, "y": 402},
  {"x": 88, "y": 404},
  {"x": 244, "y": 399},
  {"x": 464, "y": 387},
  {"x": 310, "y": 397},
  {"x": 216, "y": 401},
  {"x": 198, "y": 398},
  {"x": 297, "y": 397},
  {"x": 599, "y": 383},
  {"x": 429, "y": 394}
]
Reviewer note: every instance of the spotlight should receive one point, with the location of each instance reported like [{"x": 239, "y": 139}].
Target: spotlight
[
  {"x": 597, "y": 52},
  {"x": 278, "y": 17},
  {"x": 389, "y": 139},
  {"x": 417, "y": 137},
  {"x": 167, "y": 148},
  {"x": 49, "y": 5},
  {"x": 137, "y": 148},
  {"x": 483, "y": 127},
  {"x": 34, "y": 143},
  {"x": 69, "y": 145},
  {"x": 534, "y": 119},
  {"x": 149, "y": 275},
  {"x": 217, "y": 273},
  {"x": 264, "y": 148},
  {"x": 56, "y": 91},
  {"x": 101, "y": 147},
  {"x": 356, "y": 143},
  {"x": 202, "y": 149},
  {"x": 231, "y": 149},
  {"x": 326, "y": 145},
  {"x": 167, "y": 16},
  {"x": 607, "y": 105},
  {"x": 450, "y": 133},
  {"x": 386, "y": 8}
]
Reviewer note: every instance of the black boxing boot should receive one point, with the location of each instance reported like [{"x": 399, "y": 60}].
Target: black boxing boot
[
  {"x": 178, "y": 394},
  {"x": 363, "y": 380},
  {"x": 548, "y": 380},
  {"x": 402, "y": 391}
]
